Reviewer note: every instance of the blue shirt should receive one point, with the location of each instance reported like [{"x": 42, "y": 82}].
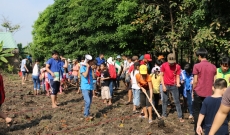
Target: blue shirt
[
  {"x": 209, "y": 108},
  {"x": 187, "y": 82},
  {"x": 100, "y": 61},
  {"x": 86, "y": 82},
  {"x": 55, "y": 66}
]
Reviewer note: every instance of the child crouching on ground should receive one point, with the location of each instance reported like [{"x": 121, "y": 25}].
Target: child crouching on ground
[
  {"x": 105, "y": 80},
  {"x": 210, "y": 107}
]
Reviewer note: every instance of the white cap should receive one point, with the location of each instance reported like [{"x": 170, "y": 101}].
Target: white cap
[{"x": 118, "y": 56}]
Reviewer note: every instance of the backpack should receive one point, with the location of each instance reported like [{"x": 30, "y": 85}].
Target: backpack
[{"x": 112, "y": 71}]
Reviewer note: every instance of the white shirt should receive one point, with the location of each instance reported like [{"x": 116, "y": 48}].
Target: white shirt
[
  {"x": 134, "y": 81},
  {"x": 36, "y": 70},
  {"x": 23, "y": 65}
]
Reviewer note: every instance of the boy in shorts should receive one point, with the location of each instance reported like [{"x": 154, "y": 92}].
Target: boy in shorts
[
  {"x": 210, "y": 107},
  {"x": 105, "y": 79}
]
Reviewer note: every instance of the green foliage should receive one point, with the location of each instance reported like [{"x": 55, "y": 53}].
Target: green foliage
[
  {"x": 77, "y": 27},
  {"x": 4, "y": 53},
  {"x": 10, "y": 68}
]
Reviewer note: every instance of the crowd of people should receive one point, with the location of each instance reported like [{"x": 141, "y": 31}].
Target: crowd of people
[{"x": 199, "y": 88}]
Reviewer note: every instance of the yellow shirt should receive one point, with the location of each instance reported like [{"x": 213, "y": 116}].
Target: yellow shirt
[
  {"x": 226, "y": 75},
  {"x": 156, "y": 81}
]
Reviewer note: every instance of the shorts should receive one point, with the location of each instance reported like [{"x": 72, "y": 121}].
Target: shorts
[
  {"x": 47, "y": 85},
  {"x": 75, "y": 79},
  {"x": 105, "y": 92},
  {"x": 24, "y": 73},
  {"x": 144, "y": 102},
  {"x": 54, "y": 85}
]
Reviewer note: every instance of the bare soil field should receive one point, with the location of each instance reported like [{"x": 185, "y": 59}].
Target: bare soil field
[{"x": 33, "y": 115}]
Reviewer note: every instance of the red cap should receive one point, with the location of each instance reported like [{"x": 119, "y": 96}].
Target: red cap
[{"x": 147, "y": 57}]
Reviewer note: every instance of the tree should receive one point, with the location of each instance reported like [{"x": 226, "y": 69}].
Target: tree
[
  {"x": 9, "y": 27},
  {"x": 76, "y": 27}
]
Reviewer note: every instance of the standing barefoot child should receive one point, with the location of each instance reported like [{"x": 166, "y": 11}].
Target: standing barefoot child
[
  {"x": 105, "y": 80},
  {"x": 145, "y": 83}
]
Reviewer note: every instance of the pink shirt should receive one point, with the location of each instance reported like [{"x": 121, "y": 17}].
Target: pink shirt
[
  {"x": 170, "y": 73},
  {"x": 205, "y": 72},
  {"x": 75, "y": 70}
]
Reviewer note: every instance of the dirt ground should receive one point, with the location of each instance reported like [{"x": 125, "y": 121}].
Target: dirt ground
[{"x": 34, "y": 115}]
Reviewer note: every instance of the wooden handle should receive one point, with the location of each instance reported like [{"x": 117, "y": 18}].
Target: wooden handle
[{"x": 152, "y": 105}]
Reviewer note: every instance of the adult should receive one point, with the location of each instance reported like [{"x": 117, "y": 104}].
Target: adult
[
  {"x": 125, "y": 64},
  {"x": 203, "y": 80},
  {"x": 100, "y": 59},
  {"x": 35, "y": 75},
  {"x": 170, "y": 80},
  {"x": 87, "y": 86},
  {"x": 134, "y": 59},
  {"x": 24, "y": 69},
  {"x": 7, "y": 119},
  {"x": 53, "y": 67}
]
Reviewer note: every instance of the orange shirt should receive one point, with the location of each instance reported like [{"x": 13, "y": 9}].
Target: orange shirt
[{"x": 142, "y": 82}]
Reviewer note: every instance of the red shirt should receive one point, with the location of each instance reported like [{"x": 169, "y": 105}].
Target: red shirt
[
  {"x": 170, "y": 73},
  {"x": 131, "y": 68},
  {"x": 206, "y": 72}
]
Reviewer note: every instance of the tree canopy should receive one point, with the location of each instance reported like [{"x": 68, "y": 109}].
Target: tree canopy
[{"x": 77, "y": 27}]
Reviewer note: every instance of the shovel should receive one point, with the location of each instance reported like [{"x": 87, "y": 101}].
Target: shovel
[{"x": 161, "y": 122}]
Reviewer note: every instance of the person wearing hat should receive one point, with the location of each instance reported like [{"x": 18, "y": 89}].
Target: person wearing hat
[
  {"x": 145, "y": 83},
  {"x": 161, "y": 58},
  {"x": 145, "y": 61},
  {"x": 87, "y": 86},
  {"x": 170, "y": 74}
]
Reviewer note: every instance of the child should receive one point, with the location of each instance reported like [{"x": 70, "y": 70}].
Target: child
[
  {"x": 145, "y": 83},
  {"x": 224, "y": 71},
  {"x": 47, "y": 84},
  {"x": 210, "y": 107},
  {"x": 156, "y": 81},
  {"x": 105, "y": 80},
  {"x": 135, "y": 87},
  {"x": 187, "y": 87}
]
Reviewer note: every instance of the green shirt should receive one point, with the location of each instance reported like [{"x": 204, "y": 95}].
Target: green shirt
[
  {"x": 118, "y": 63},
  {"x": 226, "y": 75}
]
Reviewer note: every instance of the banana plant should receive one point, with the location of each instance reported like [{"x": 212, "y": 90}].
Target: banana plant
[{"x": 4, "y": 53}]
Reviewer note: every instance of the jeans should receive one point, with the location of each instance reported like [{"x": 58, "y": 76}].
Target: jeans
[
  {"x": 197, "y": 104},
  {"x": 87, "y": 94},
  {"x": 136, "y": 97},
  {"x": 189, "y": 102},
  {"x": 175, "y": 94},
  {"x": 118, "y": 82},
  {"x": 36, "y": 81},
  {"x": 111, "y": 85},
  {"x": 161, "y": 91}
]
